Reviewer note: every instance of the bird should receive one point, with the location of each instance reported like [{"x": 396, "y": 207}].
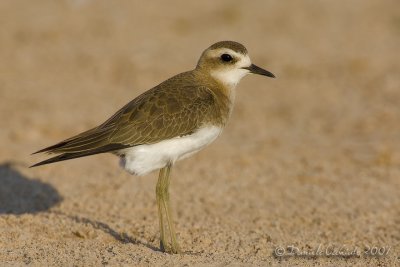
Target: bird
[{"x": 167, "y": 123}]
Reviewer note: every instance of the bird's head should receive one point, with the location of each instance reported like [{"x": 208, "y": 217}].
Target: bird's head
[{"x": 228, "y": 62}]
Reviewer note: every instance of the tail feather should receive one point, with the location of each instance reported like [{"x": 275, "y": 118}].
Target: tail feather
[
  {"x": 83, "y": 144},
  {"x": 50, "y": 148},
  {"x": 64, "y": 145},
  {"x": 67, "y": 156}
]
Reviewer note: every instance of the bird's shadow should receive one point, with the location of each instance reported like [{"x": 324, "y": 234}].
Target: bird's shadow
[
  {"x": 20, "y": 194},
  {"x": 121, "y": 237}
]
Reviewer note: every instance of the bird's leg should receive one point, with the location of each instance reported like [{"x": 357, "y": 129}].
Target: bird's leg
[
  {"x": 164, "y": 207},
  {"x": 159, "y": 193},
  {"x": 167, "y": 206}
]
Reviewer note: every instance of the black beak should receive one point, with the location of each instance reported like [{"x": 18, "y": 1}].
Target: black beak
[{"x": 257, "y": 70}]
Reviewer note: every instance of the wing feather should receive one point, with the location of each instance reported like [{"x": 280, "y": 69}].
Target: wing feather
[{"x": 176, "y": 107}]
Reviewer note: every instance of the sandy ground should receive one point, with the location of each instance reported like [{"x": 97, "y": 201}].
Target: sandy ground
[{"x": 310, "y": 160}]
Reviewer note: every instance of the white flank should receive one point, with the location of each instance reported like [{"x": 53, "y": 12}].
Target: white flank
[{"x": 140, "y": 160}]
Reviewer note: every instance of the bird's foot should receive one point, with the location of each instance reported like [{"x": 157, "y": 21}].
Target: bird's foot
[{"x": 174, "y": 249}]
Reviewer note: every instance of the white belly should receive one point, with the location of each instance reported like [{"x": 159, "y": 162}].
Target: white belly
[{"x": 142, "y": 159}]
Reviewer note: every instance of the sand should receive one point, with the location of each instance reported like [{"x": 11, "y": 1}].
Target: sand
[{"x": 309, "y": 163}]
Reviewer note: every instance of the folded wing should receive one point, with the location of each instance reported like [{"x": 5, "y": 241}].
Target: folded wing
[{"x": 161, "y": 113}]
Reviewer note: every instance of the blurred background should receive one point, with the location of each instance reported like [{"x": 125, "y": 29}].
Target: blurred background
[{"x": 312, "y": 157}]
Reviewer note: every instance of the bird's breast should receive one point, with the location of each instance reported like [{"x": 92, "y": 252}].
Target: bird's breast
[{"x": 142, "y": 159}]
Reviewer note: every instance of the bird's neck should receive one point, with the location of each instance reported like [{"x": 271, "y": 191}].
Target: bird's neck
[
  {"x": 224, "y": 93},
  {"x": 219, "y": 82}
]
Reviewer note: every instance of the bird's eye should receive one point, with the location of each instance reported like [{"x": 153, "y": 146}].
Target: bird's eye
[{"x": 226, "y": 57}]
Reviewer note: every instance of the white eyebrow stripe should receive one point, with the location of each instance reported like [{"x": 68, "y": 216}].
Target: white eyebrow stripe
[
  {"x": 220, "y": 51},
  {"x": 244, "y": 60}
]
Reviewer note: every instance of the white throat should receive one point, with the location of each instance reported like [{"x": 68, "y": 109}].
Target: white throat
[{"x": 229, "y": 77}]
